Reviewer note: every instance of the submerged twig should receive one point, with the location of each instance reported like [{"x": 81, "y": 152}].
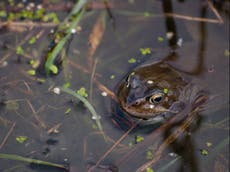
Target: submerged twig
[
  {"x": 107, "y": 90},
  {"x": 95, "y": 38},
  {"x": 7, "y": 135},
  {"x": 198, "y": 19},
  {"x": 112, "y": 148},
  {"x": 92, "y": 79},
  {"x": 175, "y": 15},
  {"x": 215, "y": 11},
  {"x": 168, "y": 141}
]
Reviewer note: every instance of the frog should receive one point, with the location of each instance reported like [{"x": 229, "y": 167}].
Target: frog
[{"x": 152, "y": 93}]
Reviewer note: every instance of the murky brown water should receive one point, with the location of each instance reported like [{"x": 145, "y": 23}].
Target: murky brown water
[{"x": 32, "y": 109}]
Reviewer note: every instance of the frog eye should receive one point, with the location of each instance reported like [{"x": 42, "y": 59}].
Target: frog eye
[{"x": 156, "y": 98}]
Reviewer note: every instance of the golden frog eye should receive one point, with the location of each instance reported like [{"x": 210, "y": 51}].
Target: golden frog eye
[{"x": 156, "y": 98}]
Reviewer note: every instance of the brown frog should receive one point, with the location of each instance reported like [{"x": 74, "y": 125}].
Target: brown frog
[{"x": 151, "y": 92}]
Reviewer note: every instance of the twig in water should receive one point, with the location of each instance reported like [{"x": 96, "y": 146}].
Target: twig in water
[
  {"x": 112, "y": 148},
  {"x": 215, "y": 11},
  {"x": 95, "y": 38},
  {"x": 7, "y": 135},
  {"x": 92, "y": 79},
  {"x": 198, "y": 19}
]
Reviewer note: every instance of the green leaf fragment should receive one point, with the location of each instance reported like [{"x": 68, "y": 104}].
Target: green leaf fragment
[
  {"x": 149, "y": 155},
  {"x": 166, "y": 90},
  {"x": 149, "y": 170},
  {"x": 32, "y": 62},
  {"x": 32, "y": 40},
  {"x": 139, "y": 139},
  {"x": 11, "y": 16},
  {"x": 19, "y": 50},
  {"x": 208, "y": 144},
  {"x": 204, "y": 152},
  {"x": 40, "y": 80},
  {"x": 68, "y": 111},
  {"x": 53, "y": 68},
  {"x": 31, "y": 72},
  {"x": 51, "y": 17},
  {"x": 82, "y": 92},
  {"x": 66, "y": 85},
  {"x": 160, "y": 39},
  {"x": 39, "y": 13},
  {"x": 21, "y": 139},
  {"x": 145, "y": 51},
  {"x": 132, "y": 60},
  {"x": 2, "y": 13},
  {"x": 112, "y": 76}
]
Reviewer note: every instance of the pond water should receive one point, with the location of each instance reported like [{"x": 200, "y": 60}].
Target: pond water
[{"x": 60, "y": 129}]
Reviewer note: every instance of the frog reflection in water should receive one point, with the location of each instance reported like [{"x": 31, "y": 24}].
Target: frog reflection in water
[{"x": 151, "y": 92}]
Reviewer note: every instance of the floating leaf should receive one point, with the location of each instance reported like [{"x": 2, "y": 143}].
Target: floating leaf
[
  {"x": 68, "y": 111},
  {"x": 204, "y": 152},
  {"x": 66, "y": 85},
  {"x": 21, "y": 139},
  {"x": 160, "y": 38},
  {"x": 145, "y": 51},
  {"x": 149, "y": 155},
  {"x": 112, "y": 76},
  {"x": 3, "y": 13},
  {"x": 149, "y": 170},
  {"x": 166, "y": 90},
  {"x": 19, "y": 50},
  {"x": 34, "y": 63},
  {"x": 82, "y": 92},
  {"x": 209, "y": 144},
  {"x": 40, "y": 80},
  {"x": 139, "y": 139},
  {"x": 32, "y": 40},
  {"x": 132, "y": 60},
  {"x": 31, "y": 72}
]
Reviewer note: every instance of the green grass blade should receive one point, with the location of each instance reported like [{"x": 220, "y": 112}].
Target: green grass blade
[
  {"x": 69, "y": 23},
  {"x": 30, "y": 160},
  {"x": 87, "y": 104}
]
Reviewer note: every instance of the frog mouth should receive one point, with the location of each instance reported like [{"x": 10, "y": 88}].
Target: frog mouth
[{"x": 150, "y": 111}]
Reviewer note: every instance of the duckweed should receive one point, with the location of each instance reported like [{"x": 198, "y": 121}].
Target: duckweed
[
  {"x": 145, "y": 51},
  {"x": 21, "y": 139},
  {"x": 82, "y": 92},
  {"x": 132, "y": 60}
]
